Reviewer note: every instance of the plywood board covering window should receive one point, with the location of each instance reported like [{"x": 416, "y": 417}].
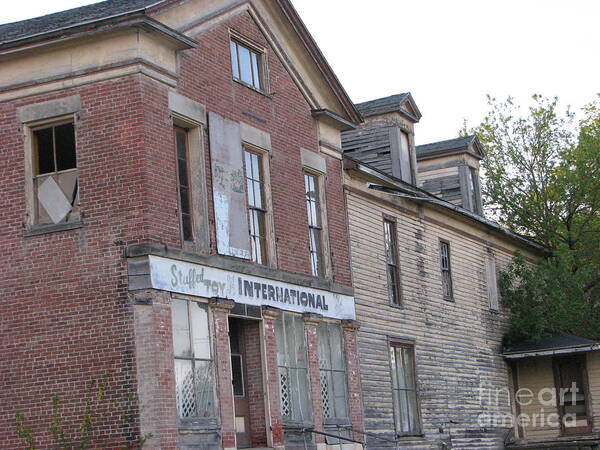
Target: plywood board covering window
[{"x": 55, "y": 174}]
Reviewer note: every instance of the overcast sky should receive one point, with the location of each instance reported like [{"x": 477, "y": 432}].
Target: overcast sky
[{"x": 448, "y": 53}]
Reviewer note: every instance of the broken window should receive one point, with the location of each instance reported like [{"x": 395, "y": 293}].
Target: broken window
[
  {"x": 292, "y": 360},
  {"x": 332, "y": 365},
  {"x": 404, "y": 389},
  {"x": 246, "y": 65},
  {"x": 183, "y": 181},
  {"x": 391, "y": 257},
  {"x": 56, "y": 187},
  {"x": 257, "y": 209},
  {"x": 194, "y": 380},
  {"x": 315, "y": 228},
  {"x": 446, "y": 270},
  {"x": 571, "y": 381},
  {"x": 492, "y": 284}
]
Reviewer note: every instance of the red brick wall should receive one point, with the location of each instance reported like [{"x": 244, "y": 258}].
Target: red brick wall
[
  {"x": 66, "y": 319},
  {"x": 255, "y": 391}
]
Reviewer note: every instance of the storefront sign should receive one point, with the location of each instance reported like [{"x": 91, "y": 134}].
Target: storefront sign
[{"x": 203, "y": 281}]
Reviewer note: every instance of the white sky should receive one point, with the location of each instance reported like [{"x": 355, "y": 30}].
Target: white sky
[{"x": 448, "y": 53}]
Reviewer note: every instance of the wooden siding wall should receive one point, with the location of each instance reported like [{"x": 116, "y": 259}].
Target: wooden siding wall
[{"x": 457, "y": 344}]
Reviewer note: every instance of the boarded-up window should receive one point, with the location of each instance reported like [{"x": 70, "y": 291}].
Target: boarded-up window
[
  {"x": 571, "y": 382},
  {"x": 183, "y": 182},
  {"x": 229, "y": 191},
  {"x": 404, "y": 389},
  {"x": 391, "y": 257},
  {"x": 474, "y": 191},
  {"x": 492, "y": 283},
  {"x": 315, "y": 229},
  {"x": 447, "y": 287},
  {"x": 194, "y": 380},
  {"x": 405, "y": 159},
  {"x": 56, "y": 184},
  {"x": 246, "y": 65},
  {"x": 292, "y": 361},
  {"x": 332, "y": 365}
]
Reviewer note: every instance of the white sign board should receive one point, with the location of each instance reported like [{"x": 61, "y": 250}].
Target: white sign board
[{"x": 203, "y": 281}]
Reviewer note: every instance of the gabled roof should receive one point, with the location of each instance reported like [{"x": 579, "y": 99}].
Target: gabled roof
[
  {"x": 560, "y": 343},
  {"x": 15, "y": 31},
  {"x": 393, "y": 103},
  {"x": 450, "y": 146}
]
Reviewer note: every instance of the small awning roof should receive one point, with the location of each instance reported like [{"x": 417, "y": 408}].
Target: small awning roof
[{"x": 560, "y": 343}]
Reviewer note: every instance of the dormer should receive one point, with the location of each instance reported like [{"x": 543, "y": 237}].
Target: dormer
[
  {"x": 386, "y": 138},
  {"x": 450, "y": 170}
]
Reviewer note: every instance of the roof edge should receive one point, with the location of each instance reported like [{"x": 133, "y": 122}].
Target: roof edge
[{"x": 552, "y": 351}]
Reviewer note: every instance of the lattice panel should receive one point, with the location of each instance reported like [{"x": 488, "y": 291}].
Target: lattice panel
[
  {"x": 186, "y": 401},
  {"x": 284, "y": 386},
  {"x": 325, "y": 395}
]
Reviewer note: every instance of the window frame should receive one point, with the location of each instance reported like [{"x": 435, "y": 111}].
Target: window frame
[
  {"x": 442, "y": 243},
  {"x": 261, "y": 56},
  {"x": 492, "y": 283},
  {"x": 394, "y": 343},
  {"x": 580, "y": 359},
  {"x": 322, "y": 215},
  {"x": 397, "y": 291},
  {"x": 198, "y": 421},
  {"x": 192, "y": 225},
  {"x": 31, "y": 154},
  {"x": 411, "y": 176},
  {"x": 474, "y": 190}
]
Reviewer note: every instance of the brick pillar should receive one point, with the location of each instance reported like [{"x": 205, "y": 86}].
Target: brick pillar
[
  {"x": 350, "y": 328},
  {"x": 254, "y": 383},
  {"x": 273, "y": 407},
  {"x": 314, "y": 375},
  {"x": 220, "y": 313}
]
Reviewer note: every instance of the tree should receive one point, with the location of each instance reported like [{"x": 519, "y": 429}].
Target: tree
[{"x": 542, "y": 180}]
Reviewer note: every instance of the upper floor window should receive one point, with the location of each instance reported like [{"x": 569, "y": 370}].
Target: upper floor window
[
  {"x": 474, "y": 191},
  {"x": 194, "y": 380},
  {"x": 405, "y": 159},
  {"x": 391, "y": 258},
  {"x": 246, "y": 65},
  {"x": 315, "y": 228},
  {"x": 55, "y": 174},
  {"x": 447, "y": 288},
  {"x": 183, "y": 181},
  {"x": 404, "y": 389},
  {"x": 257, "y": 208},
  {"x": 492, "y": 284}
]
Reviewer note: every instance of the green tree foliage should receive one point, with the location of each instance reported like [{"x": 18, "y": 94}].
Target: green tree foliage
[{"x": 542, "y": 180}]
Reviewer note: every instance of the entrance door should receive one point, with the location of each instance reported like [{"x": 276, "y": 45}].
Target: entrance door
[{"x": 238, "y": 379}]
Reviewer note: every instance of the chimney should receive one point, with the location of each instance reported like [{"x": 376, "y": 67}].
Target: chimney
[
  {"x": 386, "y": 138},
  {"x": 450, "y": 170}
]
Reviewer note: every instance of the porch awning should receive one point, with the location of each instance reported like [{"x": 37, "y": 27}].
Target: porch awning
[{"x": 558, "y": 344}]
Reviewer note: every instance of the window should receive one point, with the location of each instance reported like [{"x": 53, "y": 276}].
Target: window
[
  {"x": 246, "y": 65},
  {"x": 237, "y": 364},
  {"x": 404, "y": 390},
  {"x": 474, "y": 192},
  {"x": 183, "y": 181},
  {"x": 391, "y": 257},
  {"x": 492, "y": 283},
  {"x": 446, "y": 270},
  {"x": 405, "y": 159},
  {"x": 194, "y": 380},
  {"x": 256, "y": 205},
  {"x": 315, "y": 228},
  {"x": 292, "y": 361},
  {"x": 55, "y": 174},
  {"x": 570, "y": 372},
  {"x": 332, "y": 367}
]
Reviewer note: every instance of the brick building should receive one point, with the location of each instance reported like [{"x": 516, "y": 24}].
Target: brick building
[{"x": 176, "y": 266}]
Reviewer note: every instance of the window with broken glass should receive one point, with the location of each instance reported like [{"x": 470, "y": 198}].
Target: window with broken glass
[
  {"x": 332, "y": 366},
  {"x": 55, "y": 175},
  {"x": 257, "y": 208},
  {"x": 194, "y": 371},
  {"x": 406, "y": 412},
  {"x": 315, "y": 229},
  {"x": 183, "y": 181},
  {"x": 246, "y": 65},
  {"x": 447, "y": 288},
  {"x": 391, "y": 257},
  {"x": 292, "y": 361}
]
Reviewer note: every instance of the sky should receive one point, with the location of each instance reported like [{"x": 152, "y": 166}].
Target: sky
[{"x": 448, "y": 53}]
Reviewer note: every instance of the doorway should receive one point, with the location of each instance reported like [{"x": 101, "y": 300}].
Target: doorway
[{"x": 247, "y": 383}]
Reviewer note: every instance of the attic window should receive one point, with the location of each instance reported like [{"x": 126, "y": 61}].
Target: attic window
[{"x": 247, "y": 65}]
